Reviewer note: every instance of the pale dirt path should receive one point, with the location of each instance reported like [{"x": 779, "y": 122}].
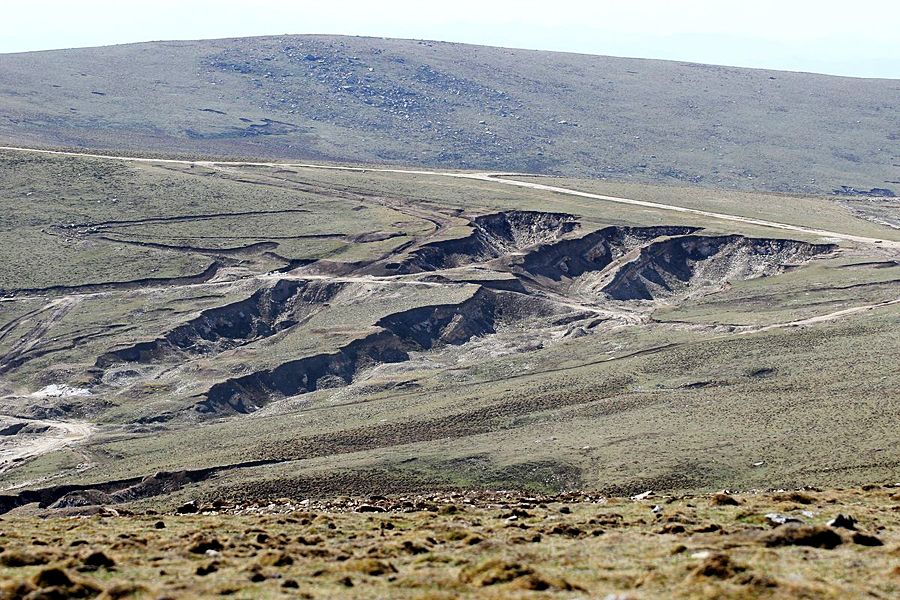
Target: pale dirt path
[
  {"x": 497, "y": 178},
  {"x": 56, "y": 309},
  {"x": 818, "y": 318},
  {"x": 669, "y": 207},
  {"x": 14, "y": 451},
  {"x": 271, "y": 276}
]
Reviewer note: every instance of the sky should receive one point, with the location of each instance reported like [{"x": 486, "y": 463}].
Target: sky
[{"x": 858, "y": 38}]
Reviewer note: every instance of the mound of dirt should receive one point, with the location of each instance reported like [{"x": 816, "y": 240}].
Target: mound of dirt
[{"x": 798, "y": 534}]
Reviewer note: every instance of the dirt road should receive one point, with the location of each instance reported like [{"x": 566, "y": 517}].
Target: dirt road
[
  {"x": 819, "y": 318},
  {"x": 18, "y": 448},
  {"x": 33, "y": 340},
  {"x": 500, "y": 178}
]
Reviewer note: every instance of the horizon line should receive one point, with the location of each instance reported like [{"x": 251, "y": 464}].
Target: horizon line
[{"x": 481, "y": 45}]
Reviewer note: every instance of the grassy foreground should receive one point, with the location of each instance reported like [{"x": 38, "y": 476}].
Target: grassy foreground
[{"x": 495, "y": 545}]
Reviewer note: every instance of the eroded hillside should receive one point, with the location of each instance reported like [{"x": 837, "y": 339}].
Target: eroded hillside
[{"x": 278, "y": 329}]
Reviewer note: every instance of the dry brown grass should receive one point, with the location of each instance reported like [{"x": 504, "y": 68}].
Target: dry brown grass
[{"x": 473, "y": 545}]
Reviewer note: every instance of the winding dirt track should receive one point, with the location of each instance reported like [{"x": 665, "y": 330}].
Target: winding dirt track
[
  {"x": 500, "y": 178},
  {"x": 65, "y": 433},
  {"x": 822, "y": 318}
]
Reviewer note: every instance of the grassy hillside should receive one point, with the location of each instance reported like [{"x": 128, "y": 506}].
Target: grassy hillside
[
  {"x": 370, "y": 331},
  {"x": 460, "y": 106}
]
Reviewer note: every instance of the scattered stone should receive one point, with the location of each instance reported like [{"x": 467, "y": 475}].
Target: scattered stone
[
  {"x": 797, "y": 534},
  {"x": 843, "y": 522},
  {"x": 846, "y": 190},
  {"x": 776, "y": 519}
]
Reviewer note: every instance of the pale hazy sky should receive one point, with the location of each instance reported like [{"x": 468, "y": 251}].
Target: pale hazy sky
[{"x": 847, "y": 37}]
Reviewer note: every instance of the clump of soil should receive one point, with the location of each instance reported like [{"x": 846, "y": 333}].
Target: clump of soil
[
  {"x": 722, "y": 499},
  {"x": 719, "y": 566},
  {"x": 798, "y": 534},
  {"x": 494, "y": 571},
  {"x": 50, "y": 582},
  {"x": 796, "y": 497},
  {"x": 371, "y": 566}
]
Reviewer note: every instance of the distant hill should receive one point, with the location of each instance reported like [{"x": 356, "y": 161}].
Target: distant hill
[{"x": 460, "y": 106}]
